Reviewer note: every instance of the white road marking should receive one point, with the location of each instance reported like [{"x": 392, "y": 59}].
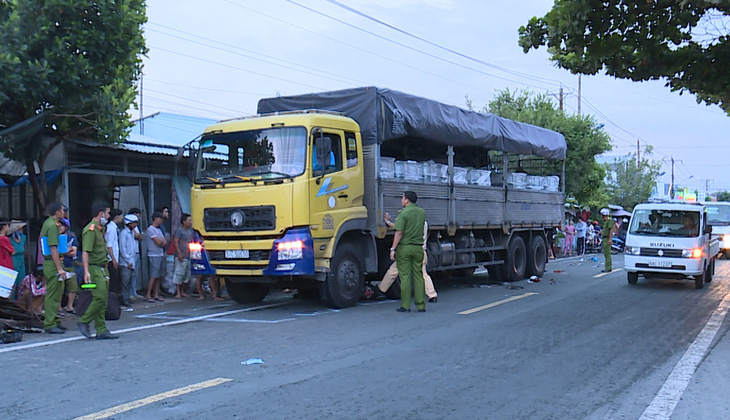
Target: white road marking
[
  {"x": 497, "y": 303},
  {"x": 143, "y": 327},
  {"x": 232, "y": 320},
  {"x": 122, "y": 408},
  {"x": 665, "y": 401},
  {"x": 598, "y": 276}
]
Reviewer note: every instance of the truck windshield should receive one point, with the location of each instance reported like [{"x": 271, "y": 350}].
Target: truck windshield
[
  {"x": 718, "y": 214},
  {"x": 657, "y": 222},
  {"x": 256, "y": 154}
]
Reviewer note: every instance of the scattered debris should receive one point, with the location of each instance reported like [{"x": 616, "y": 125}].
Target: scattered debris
[
  {"x": 533, "y": 279},
  {"x": 552, "y": 281},
  {"x": 557, "y": 271},
  {"x": 595, "y": 259},
  {"x": 254, "y": 361}
]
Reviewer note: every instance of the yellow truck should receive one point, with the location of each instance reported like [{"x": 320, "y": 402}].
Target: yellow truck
[{"x": 295, "y": 196}]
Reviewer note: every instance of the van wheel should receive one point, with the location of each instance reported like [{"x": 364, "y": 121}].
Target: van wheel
[
  {"x": 247, "y": 292},
  {"x": 632, "y": 277},
  {"x": 537, "y": 257},
  {"x": 516, "y": 259},
  {"x": 345, "y": 281},
  {"x": 700, "y": 280},
  {"x": 710, "y": 272}
]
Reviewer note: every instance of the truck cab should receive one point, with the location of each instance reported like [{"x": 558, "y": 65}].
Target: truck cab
[
  {"x": 718, "y": 215},
  {"x": 670, "y": 241}
]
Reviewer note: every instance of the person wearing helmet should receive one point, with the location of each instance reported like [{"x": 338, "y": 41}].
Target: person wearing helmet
[{"x": 609, "y": 229}]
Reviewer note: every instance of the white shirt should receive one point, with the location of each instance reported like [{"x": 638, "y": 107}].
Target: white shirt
[
  {"x": 128, "y": 248},
  {"x": 112, "y": 239}
]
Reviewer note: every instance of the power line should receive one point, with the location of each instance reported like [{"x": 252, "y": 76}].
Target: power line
[
  {"x": 468, "y": 57},
  {"x": 357, "y": 48},
  {"x": 257, "y": 94},
  {"x": 194, "y": 101},
  {"x": 409, "y": 47}
]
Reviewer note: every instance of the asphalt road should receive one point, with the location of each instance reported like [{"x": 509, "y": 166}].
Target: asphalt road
[{"x": 585, "y": 345}]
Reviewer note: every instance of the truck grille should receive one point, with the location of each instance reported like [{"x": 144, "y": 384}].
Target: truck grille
[
  {"x": 666, "y": 252},
  {"x": 253, "y": 218}
]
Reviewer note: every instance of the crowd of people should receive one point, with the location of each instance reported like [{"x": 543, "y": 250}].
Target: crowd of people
[{"x": 107, "y": 259}]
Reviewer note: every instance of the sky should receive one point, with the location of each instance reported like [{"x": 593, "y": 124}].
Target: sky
[{"x": 217, "y": 58}]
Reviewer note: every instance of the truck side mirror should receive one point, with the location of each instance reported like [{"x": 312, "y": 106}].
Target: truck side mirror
[{"x": 323, "y": 148}]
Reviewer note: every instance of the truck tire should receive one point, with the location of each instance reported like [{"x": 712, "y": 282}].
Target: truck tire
[
  {"x": 537, "y": 257},
  {"x": 346, "y": 279},
  {"x": 516, "y": 259},
  {"x": 247, "y": 292},
  {"x": 700, "y": 280},
  {"x": 632, "y": 277}
]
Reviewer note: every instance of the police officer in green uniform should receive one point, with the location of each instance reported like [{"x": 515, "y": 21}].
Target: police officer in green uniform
[
  {"x": 407, "y": 252},
  {"x": 53, "y": 269},
  {"x": 95, "y": 259},
  {"x": 609, "y": 227}
]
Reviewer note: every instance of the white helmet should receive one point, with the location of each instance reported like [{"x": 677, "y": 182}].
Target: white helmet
[
  {"x": 625, "y": 220},
  {"x": 605, "y": 212}
]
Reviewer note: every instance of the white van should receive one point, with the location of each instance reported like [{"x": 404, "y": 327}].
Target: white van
[
  {"x": 718, "y": 216},
  {"x": 670, "y": 241}
]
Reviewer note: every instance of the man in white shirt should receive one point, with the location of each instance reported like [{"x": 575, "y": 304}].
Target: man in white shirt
[
  {"x": 111, "y": 236},
  {"x": 392, "y": 273},
  {"x": 128, "y": 254},
  {"x": 581, "y": 228},
  {"x": 156, "y": 255}
]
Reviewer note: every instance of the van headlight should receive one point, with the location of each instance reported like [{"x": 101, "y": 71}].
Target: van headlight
[
  {"x": 692, "y": 253},
  {"x": 632, "y": 250},
  {"x": 726, "y": 238}
]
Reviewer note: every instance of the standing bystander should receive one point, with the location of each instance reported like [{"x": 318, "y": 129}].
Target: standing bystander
[
  {"x": 137, "y": 261},
  {"x": 156, "y": 256},
  {"x": 407, "y": 252},
  {"x": 609, "y": 228},
  {"x": 581, "y": 229},
  {"x": 52, "y": 269},
  {"x": 112, "y": 246},
  {"x": 70, "y": 285},
  {"x": 18, "y": 240},
  {"x": 128, "y": 250},
  {"x": 6, "y": 248},
  {"x": 183, "y": 237},
  {"x": 96, "y": 259}
]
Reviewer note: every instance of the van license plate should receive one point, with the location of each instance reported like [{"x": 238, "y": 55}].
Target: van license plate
[
  {"x": 237, "y": 253},
  {"x": 662, "y": 264}
]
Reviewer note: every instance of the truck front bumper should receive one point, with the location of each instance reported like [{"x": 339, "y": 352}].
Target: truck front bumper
[{"x": 682, "y": 266}]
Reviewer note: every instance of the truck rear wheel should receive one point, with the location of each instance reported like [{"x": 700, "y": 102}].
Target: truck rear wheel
[
  {"x": 537, "y": 257},
  {"x": 516, "y": 259},
  {"x": 247, "y": 292},
  {"x": 345, "y": 281}
]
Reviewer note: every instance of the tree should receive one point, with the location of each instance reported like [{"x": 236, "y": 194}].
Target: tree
[
  {"x": 584, "y": 137},
  {"x": 723, "y": 196},
  {"x": 683, "y": 42},
  {"x": 634, "y": 181},
  {"x": 69, "y": 68}
]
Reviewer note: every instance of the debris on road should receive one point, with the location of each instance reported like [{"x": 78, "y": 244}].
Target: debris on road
[
  {"x": 254, "y": 361},
  {"x": 557, "y": 271},
  {"x": 533, "y": 279}
]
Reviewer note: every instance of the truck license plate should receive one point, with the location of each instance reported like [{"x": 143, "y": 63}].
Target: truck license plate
[
  {"x": 662, "y": 264},
  {"x": 237, "y": 253}
]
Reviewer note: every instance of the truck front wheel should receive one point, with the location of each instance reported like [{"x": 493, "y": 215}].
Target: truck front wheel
[
  {"x": 345, "y": 281},
  {"x": 247, "y": 292},
  {"x": 700, "y": 280},
  {"x": 632, "y": 277}
]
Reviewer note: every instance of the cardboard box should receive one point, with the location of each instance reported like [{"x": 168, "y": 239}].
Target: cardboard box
[{"x": 7, "y": 280}]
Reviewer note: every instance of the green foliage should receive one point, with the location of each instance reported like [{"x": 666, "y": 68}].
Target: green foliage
[
  {"x": 585, "y": 139},
  {"x": 633, "y": 183},
  {"x": 723, "y": 196},
  {"x": 77, "y": 59},
  {"x": 685, "y": 43}
]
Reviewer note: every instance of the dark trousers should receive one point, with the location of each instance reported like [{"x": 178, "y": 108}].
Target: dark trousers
[
  {"x": 114, "y": 279},
  {"x": 581, "y": 246}
]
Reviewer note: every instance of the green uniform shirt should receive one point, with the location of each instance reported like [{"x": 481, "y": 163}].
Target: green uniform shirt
[
  {"x": 607, "y": 227},
  {"x": 94, "y": 244},
  {"x": 50, "y": 230},
  {"x": 410, "y": 221}
]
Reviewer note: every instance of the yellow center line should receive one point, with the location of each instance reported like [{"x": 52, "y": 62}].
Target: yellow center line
[
  {"x": 598, "y": 276},
  {"x": 121, "y": 408},
  {"x": 497, "y": 303}
]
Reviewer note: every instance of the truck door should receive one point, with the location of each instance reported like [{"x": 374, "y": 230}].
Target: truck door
[{"x": 336, "y": 180}]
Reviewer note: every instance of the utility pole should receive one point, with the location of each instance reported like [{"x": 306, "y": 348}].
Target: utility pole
[
  {"x": 141, "y": 104},
  {"x": 638, "y": 155},
  {"x": 671, "y": 183},
  {"x": 579, "y": 94},
  {"x": 560, "y": 98}
]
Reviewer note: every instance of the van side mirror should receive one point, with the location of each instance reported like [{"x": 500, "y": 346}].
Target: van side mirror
[{"x": 708, "y": 229}]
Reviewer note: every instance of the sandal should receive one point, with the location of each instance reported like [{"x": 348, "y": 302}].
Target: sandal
[
  {"x": 150, "y": 300},
  {"x": 161, "y": 299},
  {"x": 70, "y": 311}
]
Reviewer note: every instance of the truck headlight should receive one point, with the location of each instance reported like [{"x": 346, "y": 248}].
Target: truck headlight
[
  {"x": 632, "y": 250},
  {"x": 692, "y": 253},
  {"x": 196, "y": 251},
  {"x": 290, "y": 250},
  {"x": 726, "y": 239}
]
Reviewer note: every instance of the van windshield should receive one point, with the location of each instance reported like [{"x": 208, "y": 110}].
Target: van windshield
[
  {"x": 718, "y": 214},
  {"x": 656, "y": 222}
]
